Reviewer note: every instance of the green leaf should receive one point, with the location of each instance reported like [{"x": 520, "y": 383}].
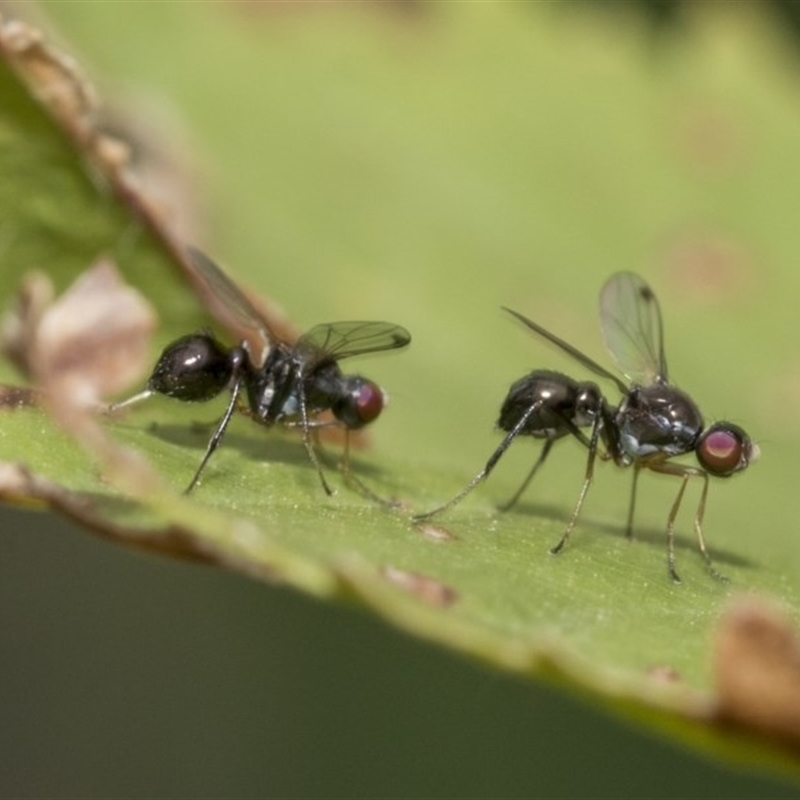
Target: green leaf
[{"x": 427, "y": 172}]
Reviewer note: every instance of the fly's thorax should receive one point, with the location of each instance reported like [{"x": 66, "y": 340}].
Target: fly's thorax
[
  {"x": 273, "y": 389},
  {"x": 657, "y": 419}
]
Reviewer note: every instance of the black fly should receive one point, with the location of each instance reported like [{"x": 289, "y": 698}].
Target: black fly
[
  {"x": 653, "y": 422},
  {"x": 282, "y": 383}
]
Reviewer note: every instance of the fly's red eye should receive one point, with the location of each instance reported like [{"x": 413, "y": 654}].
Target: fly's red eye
[
  {"x": 724, "y": 449},
  {"x": 360, "y": 403},
  {"x": 368, "y": 402}
]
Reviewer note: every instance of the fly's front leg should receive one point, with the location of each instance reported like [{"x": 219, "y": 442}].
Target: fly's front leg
[
  {"x": 671, "y": 531},
  {"x": 632, "y": 504},
  {"x": 685, "y": 473},
  {"x": 309, "y": 445},
  {"x": 512, "y": 501},
  {"x": 698, "y": 529},
  {"x": 314, "y": 426}
]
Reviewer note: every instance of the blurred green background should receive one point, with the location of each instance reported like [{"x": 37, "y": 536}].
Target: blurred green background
[{"x": 127, "y": 676}]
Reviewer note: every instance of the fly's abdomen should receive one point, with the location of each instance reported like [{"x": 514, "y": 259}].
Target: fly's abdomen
[
  {"x": 554, "y": 396},
  {"x": 194, "y": 368}
]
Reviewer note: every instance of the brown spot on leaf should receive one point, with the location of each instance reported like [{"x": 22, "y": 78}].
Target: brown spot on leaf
[
  {"x": 435, "y": 532},
  {"x": 663, "y": 673},
  {"x": 756, "y": 662},
  {"x": 429, "y": 590}
]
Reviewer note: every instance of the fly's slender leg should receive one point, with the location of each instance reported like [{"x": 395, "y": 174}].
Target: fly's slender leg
[
  {"x": 509, "y": 504},
  {"x": 312, "y": 453},
  {"x": 671, "y": 531},
  {"x": 698, "y": 523},
  {"x": 313, "y": 426},
  {"x": 548, "y": 444},
  {"x": 344, "y": 464},
  {"x": 351, "y": 478},
  {"x": 632, "y": 505},
  {"x": 587, "y": 480},
  {"x": 219, "y": 432},
  {"x": 698, "y": 529},
  {"x": 490, "y": 465},
  {"x": 685, "y": 473}
]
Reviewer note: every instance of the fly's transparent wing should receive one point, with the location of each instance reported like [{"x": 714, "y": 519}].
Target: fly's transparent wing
[
  {"x": 337, "y": 340},
  {"x": 630, "y": 319},
  {"x": 230, "y": 305}
]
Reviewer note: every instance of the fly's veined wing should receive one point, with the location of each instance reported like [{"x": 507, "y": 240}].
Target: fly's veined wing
[
  {"x": 337, "y": 340},
  {"x": 630, "y": 319},
  {"x": 230, "y": 305}
]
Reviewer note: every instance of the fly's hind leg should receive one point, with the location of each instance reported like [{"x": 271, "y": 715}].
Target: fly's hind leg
[
  {"x": 352, "y": 479},
  {"x": 488, "y": 467},
  {"x": 512, "y": 501}
]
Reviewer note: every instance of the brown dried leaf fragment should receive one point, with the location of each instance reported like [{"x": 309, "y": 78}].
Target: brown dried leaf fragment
[
  {"x": 19, "y": 325},
  {"x": 757, "y": 669},
  {"x": 52, "y": 76},
  {"x": 90, "y": 343}
]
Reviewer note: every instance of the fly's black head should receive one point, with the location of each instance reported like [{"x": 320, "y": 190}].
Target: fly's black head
[
  {"x": 194, "y": 368},
  {"x": 360, "y": 402},
  {"x": 725, "y": 449}
]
